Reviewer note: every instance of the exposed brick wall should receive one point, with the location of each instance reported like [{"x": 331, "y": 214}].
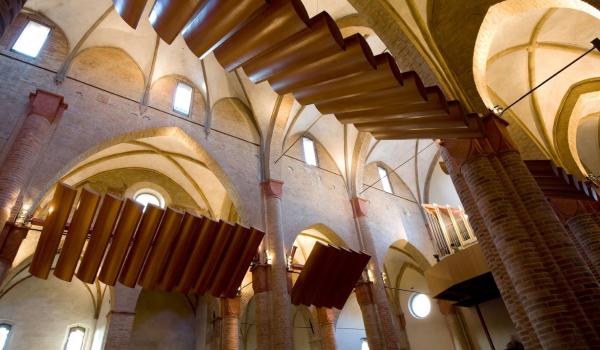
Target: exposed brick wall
[{"x": 162, "y": 93}]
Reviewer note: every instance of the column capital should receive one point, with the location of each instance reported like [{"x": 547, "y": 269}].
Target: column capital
[
  {"x": 567, "y": 209},
  {"x": 260, "y": 278},
  {"x": 497, "y": 135},
  {"x": 446, "y": 307},
  {"x": 364, "y": 294},
  {"x": 360, "y": 207},
  {"x": 460, "y": 151},
  {"x": 230, "y": 307},
  {"x": 325, "y": 315},
  {"x": 272, "y": 188},
  {"x": 46, "y": 104}
]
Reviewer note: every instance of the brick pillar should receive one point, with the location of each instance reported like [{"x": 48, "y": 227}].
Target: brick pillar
[
  {"x": 513, "y": 304},
  {"x": 326, "y": 319},
  {"x": 23, "y": 153},
  {"x": 518, "y": 251},
  {"x": 121, "y": 317},
  {"x": 281, "y": 323},
  {"x": 584, "y": 229},
  {"x": 261, "y": 287},
  {"x": 368, "y": 309},
  {"x": 455, "y": 326},
  {"x": 574, "y": 279},
  {"x": 230, "y": 311},
  {"x": 390, "y": 332},
  {"x": 11, "y": 238}
]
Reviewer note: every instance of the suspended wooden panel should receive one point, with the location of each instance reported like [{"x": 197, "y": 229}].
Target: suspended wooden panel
[
  {"x": 386, "y": 75},
  {"x": 77, "y": 234},
  {"x": 321, "y": 38},
  {"x": 162, "y": 249},
  {"x": 100, "y": 236},
  {"x": 217, "y": 21},
  {"x": 184, "y": 245},
  {"x": 328, "y": 276},
  {"x": 473, "y": 130},
  {"x": 130, "y": 10},
  {"x": 163, "y": 243},
  {"x": 168, "y": 17},
  {"x": 9, "y": 9},
  {"x": 128, "y": 223},
  {"x": 59, "y": 209},
  {"x": 278, "y": 22},
  {"x": 355, "y": 57},
  {"x": 141, "y": 244},
  {"x": 555, "y": 182}
]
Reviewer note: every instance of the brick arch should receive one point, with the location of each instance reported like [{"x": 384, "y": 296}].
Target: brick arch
[
  {"x": 229, "y": 113},
  {"x": 209, "y": 161}
]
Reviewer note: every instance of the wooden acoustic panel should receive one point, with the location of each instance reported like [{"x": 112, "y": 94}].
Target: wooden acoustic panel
[
  {"x": 130, "y": 10},
  {"x": 555, "y": 182},
  {"x": 329, "y": 276},
  {"x": 168, "y": 17}
]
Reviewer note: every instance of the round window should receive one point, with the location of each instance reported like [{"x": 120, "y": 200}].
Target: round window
[
  {"x": 419, "y": 305},
  {"x": 147, "y": 196}
]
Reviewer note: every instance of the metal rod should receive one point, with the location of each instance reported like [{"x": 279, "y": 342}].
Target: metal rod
[
  {"x": 396, "y": 168},
  {"x": 299, "y": 138},
  {"x": 548, "y": 79}
]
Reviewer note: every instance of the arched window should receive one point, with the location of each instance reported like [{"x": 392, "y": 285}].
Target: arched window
[
  {"x": 385, "y": 179},
  {"x": 365, "y": 344},
  {"x": 182, "y": 101},
  {"x": 310, "y": 152},
  {"x": 5, "y": 330},
  {"x": 419, "y": 305},
  {"x": 32, "y": 39},
  {"x": 147, "y": 196},
  {"x": 75, "y": 338}
]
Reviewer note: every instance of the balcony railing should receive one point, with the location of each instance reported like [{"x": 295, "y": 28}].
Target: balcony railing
[{"x": 450, "y": 228}]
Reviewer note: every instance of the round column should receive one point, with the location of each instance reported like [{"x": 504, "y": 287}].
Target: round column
[
  {"x": 121, "y": 317},
  {"x": 587, "y": 233},
  {"x": 261, "y": 287},
  {"x": 513, "y": 303},
  {"x": 459, "y": 337},
  {"x": 364, "y": 297},
  {"x": 326, "y": 319},
  {"x": 23, "y": 153},
  {"x": 281, "y": 323},
  {"x": 548, "y": 313},
  {"x": 230, "y": 310}
]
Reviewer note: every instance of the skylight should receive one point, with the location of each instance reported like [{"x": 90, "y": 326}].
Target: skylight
[
  {"x": 32, "y": 39},
  {"x": 385, "y": 180},
  {"x": 310, "y": 154},
  {"x": 183, "y": 98}
]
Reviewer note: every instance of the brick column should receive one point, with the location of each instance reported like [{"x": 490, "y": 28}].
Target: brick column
[
  {"x": 518, "y": 251},
  {"x": 368, "y": 309},
  {"x": 584, "y": 229},
  {"x": 513, "y": 303},
  {"x": 11, "y": 238},
  {"x": 230, "y": 311},
  {"x": 457, "y": 331},
  {"x": 576, "y": 282},
  {"x": 281, "y": 322},
  {"x": 390, "y": 332},
  {"x": 261, "y": 287},
  {"x": 326, "y": 318},
  {"x": 23, "y": 153},
  {"x": 121, "y": 317}
]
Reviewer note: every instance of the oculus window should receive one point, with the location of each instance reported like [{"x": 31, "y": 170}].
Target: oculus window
[
  {"x": 5, "y": 330},
  {"x": 385, "y": 179},
  {"x": 419, "y": 305},
  {"x": 310, "y": 152},
  {"x": 182, "y": 101},
  {"x": 148, "y": 196},
  {"x": 75, "y": 338},
  {"x": 32, "y": 39}
]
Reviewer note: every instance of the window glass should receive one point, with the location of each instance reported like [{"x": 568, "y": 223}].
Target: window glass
[
  {"x": 310, "y": 153},
  {"x": 365, "y": 344},
  {"x": 4, "y": 333},
  {"x": 385, "y": 179},
  {"x": 145, "y": 197},
  {"x": 419, "y": 305},
  {"x": 32, "y": 39},
  {"x": 75, "y": 339},
  {"x": 183, "y": 98}
]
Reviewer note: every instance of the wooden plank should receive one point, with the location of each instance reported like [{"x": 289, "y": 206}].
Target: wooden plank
[
  {"x": 130, "y": 10},
  {"x": 214, "y": 258},
  {"x": 229, "y": 260},
  {"x": 203, "y": 245},
  {"x": 250, "y": 251}
]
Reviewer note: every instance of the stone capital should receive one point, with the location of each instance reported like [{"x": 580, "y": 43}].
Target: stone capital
[
  {"x": 446, "y": 307},
  {"x": 364, "y": 293},
  {"x": 230, "y": 307},
  {"x": 497, "y": 135},
  {"x": 460, "y": 151},
  {"x": 360, "y": 207},
  {"x": 46, "y": 104},
  {"x": 326, "y": 315},
  {"x": 260, "y": 278},
  {"x": 272, "y": 188}
]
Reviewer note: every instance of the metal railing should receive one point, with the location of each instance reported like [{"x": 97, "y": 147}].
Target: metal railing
[{"x": 450, "y": 228}]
